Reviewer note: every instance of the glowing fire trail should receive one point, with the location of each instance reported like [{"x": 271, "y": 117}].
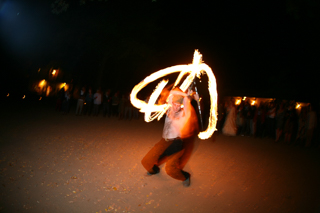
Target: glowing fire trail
[{"x": 193, "y": 70}]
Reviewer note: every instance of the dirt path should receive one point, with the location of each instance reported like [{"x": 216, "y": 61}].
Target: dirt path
[{"x": 65, "y": 163}]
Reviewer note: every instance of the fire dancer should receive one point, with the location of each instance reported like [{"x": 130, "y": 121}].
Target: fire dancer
[{"x": 179, "y": 129}]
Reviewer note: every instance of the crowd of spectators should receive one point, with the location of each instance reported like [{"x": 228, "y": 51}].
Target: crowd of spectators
[
  {"x": 281, "y": 121},
  {"x": 105, "y": 103}
]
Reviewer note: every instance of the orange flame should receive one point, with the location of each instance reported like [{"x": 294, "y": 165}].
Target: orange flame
[{"x": 153, "y": 111}]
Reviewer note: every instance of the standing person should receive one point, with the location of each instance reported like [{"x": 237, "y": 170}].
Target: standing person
[
  {"x": 127, "y": 108},
  {"x": 240, "y": 120},
  {"x": 248, "y": 118},
  {"x": 290, "y": 118},
  {"x": 271, "y": 120},
  {"x": 301, "y": 134},
  {"x": 221, "y": 117},
  {"x": 80, "y": 101},
  {"x": 179, "y": 128},
  {"x": 280, "y": 121},
  {"x": 96, "y": 102},
  {"x": 311, "y": 125},
  {"x": 230, "y": 127},
  {"x": 259, "y": 119},
  {"x": 89, "y": 98},
  {"x": 115, "y": 104},
  {"x": 66, "y": 102},
  {"x": 60, "y": 100},
  {"x": 122, "y": 103},
  {"x": 107, "y": 103},
  {"x": 251, "y": 116}
]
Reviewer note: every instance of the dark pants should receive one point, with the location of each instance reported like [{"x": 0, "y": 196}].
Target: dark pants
[
  {"x": 172, "y": 151},
  {"x": 106, "y": 109},
  {"x": 115, "y": 110},
  {"x": 87, "y": 108},
  {"x": 96, "y": 108},
  {"x": 270, "y": 127},
  {"x": 66, "y": 106}
]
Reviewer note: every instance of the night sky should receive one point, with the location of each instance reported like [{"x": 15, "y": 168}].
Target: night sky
[{"x": 255, "y": 48}]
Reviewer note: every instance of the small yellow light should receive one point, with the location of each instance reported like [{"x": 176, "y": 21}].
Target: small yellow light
[
  {"x": 8, "y": 95},
  {"x": 24, "y": 96},
  {"x": 244, "y": 98},
  {"x": 40, "y": 98},
  {"x": 42, "y": 83},
  {"x": 63, "y": 85}
]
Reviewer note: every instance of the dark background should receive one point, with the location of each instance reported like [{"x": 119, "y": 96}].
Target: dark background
[{"x": 255, "y": 48}]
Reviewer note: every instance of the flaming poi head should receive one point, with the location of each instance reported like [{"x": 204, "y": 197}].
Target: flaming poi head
[{"x": 153, "y": 111}]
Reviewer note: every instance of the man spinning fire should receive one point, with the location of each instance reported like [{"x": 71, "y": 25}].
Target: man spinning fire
[{"x": 179, "y": 130}]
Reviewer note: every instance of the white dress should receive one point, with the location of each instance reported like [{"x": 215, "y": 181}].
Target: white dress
[{"x": 230, "y": 127}]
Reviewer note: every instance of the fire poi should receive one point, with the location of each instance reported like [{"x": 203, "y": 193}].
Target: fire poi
[{"x": 153, "y": 110}]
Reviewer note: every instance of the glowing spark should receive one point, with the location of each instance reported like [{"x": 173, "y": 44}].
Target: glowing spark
[
  {"x": 24, "y": 96},
  {"x": 238, "y": 101},
  {"x": 153, "y": 111},
  {"x": 54, "y": 72},
  {"x": 8, "y": 95}
]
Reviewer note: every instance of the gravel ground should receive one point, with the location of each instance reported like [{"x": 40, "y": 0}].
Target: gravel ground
[{"x": 51, "y": 162}]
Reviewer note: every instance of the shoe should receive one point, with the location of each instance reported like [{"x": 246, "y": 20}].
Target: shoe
[
  {"x": 155, "y": 170},
  {"x": 186, "y": 183},
  {"x": 149, "y": 174}
]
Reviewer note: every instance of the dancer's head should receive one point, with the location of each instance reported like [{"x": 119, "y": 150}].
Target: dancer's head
[{"x": 177, "y": 99}]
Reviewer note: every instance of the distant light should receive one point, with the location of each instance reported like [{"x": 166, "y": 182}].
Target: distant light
[
  {"x": 42, "y": 83},
  {"x": 24, "y": 96},
  {"x": 244, "y": 98},
  {"x": 65, "y": 86},
  {"x": 54, "y": 72},
  {"x": 238, "y": 101},
  {"x": 39, "y": 69},
  {"x": 62, "y": 85},
  {"x": 8, "y": 95},
  {"x": 253, "y": 102},
  {"x": 298, "y": 106},
  {"x": 40, "y": 98}
]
